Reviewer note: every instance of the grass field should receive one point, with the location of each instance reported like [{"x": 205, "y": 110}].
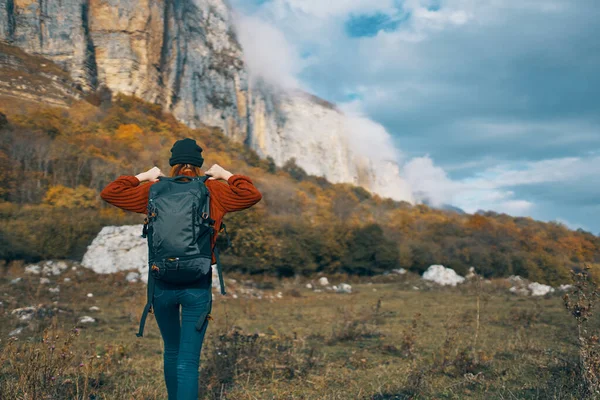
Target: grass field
[{"x": 386, "y": 340}]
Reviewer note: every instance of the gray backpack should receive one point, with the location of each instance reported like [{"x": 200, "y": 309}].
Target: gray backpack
[{"x": 179, "y": 231}]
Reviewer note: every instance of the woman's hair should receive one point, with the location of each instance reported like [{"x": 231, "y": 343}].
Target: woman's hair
[{"x": 186, "y": 169}]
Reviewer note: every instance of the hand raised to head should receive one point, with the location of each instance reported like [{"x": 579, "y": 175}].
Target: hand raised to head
[
  {"x": 151, "y": 175},
  {"x": 218, "y": 172}
]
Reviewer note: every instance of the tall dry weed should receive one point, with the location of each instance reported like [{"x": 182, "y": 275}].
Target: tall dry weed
[{"x": 581, "y": 303}]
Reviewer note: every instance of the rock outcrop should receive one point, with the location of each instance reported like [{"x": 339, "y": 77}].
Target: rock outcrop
[{"x": 184, "y": 55}]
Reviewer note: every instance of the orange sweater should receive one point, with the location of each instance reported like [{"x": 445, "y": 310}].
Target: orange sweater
[{"x": 127, "y": 193}]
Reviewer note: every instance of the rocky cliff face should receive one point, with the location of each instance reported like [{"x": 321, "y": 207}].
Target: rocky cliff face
[
  {"x": 28, "y": 77},
  {"x": 184, "y": 55}
]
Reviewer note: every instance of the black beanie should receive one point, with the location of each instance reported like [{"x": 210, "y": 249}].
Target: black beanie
[{"x": 186, "y": 151}]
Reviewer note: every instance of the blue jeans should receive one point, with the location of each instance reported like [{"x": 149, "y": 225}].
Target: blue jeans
[{"x": 182, "y": 337}]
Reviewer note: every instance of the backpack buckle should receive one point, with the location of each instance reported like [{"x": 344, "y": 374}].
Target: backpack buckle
[
  {"x": 204, "y": 216},
  {"x": 172, "y": 263}
]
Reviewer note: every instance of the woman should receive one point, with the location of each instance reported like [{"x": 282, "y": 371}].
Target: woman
[{"x": 182, "y": 340}]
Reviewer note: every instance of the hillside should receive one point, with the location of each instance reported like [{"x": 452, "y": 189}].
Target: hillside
[{"x": 55, "y": 161}]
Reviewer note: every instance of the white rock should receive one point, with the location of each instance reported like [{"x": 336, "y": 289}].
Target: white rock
[
  {"x": 515, "y": 279},
  {"x": 334, "y": 288},
  {"x": 94, "y": 308},
  {"x": 86, "y": 320},
  {"x": 442, "y": 276},
  {"x": 520, "y": 290},
  {"x": 33, "y": 269},
  {"x": 54, "y": 289},
  {"x": 279, "y": 295},
  {"x": 323, "y": 281},
  {"x": 415, "y": 288},
  {"x": 132, "y": 277},
  {"x": 90, "y": 295},
  {"x": 118, "y": 248},
  {"x": 399, "y": 271},
  {"x": 15, "y": 281},
  {"x": 67, "y": 280},
  {"x": 344, "y": 288},
  {"x": 318, "y": 291},
  {"x": 472, "y": 274},
  {"x": 44, "y": 281},
  {"x": 565, "y": 287},
  {"x": 235, "y": 296},
  {"x": 24, "y": 313},
  {"x": 309, "y": 286},
  {"x": 538, "y": 289},
  {"x": 54, "y": 268},
  {"x": 16, "y": 331}
]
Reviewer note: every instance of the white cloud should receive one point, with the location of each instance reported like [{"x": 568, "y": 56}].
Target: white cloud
[
  {"x": 492, "y": 189},
  {"x": 267, "y": 52},
  {"x": 429, "y": 182},
  {"x": 334, "y": 8},
  {"x": 367, "y": 137}
]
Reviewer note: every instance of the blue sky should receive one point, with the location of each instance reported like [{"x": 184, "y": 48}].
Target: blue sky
[{"x": 491, "y": 105}]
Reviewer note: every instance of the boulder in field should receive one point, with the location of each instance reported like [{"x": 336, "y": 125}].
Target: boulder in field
[
  {"x": 323, "y": 281},
  {"x": 54, "y": 267},
  {"x": 118, "y": 248},
  {"x": 538, "y": 289},
  {"x": 344, "y": 288},
  {"x": 33, "y": 269},
  {"x": 24, "y": 313},
  {"x": 472, "y": 274},
  {"x": 86, "y": 320},
  {"x": 442, "y": 276},
  {"x": 132, "y": 277},
  {"x": 16, "y": 331}
]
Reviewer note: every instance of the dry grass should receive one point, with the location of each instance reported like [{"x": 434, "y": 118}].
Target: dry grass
[{"x": 385, "y": 341}]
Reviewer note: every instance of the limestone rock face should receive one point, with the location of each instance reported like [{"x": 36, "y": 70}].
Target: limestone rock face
[
  {"x": 304, "y": 127},
  {"x": 184, "y": 55}
]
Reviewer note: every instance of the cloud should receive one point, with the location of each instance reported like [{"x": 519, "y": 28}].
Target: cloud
[
  {"x": 267, "y": 52},
  {"x": 330, "y": 9},
  {"x": 367, "y": 137}
]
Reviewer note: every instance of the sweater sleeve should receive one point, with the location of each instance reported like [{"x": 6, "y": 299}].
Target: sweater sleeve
[
  {"x": 127, "y": 193},
  {"x": 239, "y": 194}
]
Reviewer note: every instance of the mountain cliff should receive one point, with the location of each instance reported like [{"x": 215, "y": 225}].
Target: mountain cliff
[{"x": 184, "y": 55}]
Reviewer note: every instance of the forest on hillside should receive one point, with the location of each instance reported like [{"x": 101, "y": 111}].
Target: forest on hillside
[{"x": 54, "y": 162}]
